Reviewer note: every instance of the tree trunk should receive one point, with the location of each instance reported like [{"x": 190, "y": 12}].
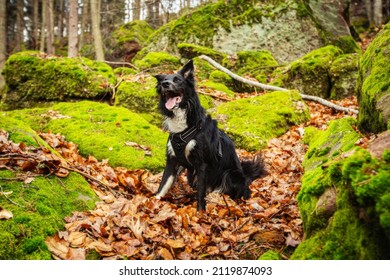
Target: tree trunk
[
  {"x": 97, "y": 36},
  {"x": 60, "y": 21},
  {"x": 149, "y": 11},
  {"x": 49, "y": 28},
  {"x": 377, "y": 13},
  {"x": 3, "y": 39},
  {"x": 35, "y": 34},
  {"x": 43, "y": 27},
  {"x": 136, "y": 10},
  {"x": 85, "y": 19},
  {"x": 19, "y": 25},
  {"x": 73, "y": 29}
]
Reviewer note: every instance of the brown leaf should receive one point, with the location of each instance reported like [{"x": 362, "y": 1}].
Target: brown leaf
[
  {"x": 77, "y": 239},
  {"x": 5, "y": 214},
  {"x": 164, "y": 253},
  {"x": 178, "y": 243},
  {"x": 58, "y": 247}
]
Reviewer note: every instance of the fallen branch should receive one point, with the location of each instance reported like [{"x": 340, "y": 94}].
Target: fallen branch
[
  {"x": 270, "y": 87},
  {"x": 121, "y": 63}
]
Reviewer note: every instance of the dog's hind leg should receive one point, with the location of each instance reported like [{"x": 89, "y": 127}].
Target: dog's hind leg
[
  {"x": 169, "y": 176},
  {"x": 201, "y": 185}
]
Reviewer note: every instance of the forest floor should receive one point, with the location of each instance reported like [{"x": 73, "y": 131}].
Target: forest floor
[{"x": 129, "y": 222}]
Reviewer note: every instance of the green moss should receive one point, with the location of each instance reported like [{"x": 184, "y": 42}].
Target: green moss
[
  {"x": 32, "y": 77},
  {"x": 270, "y": 255},
  {"x": 358, "y": 229},
  {"x": 373, "y": 84},
  {"x": 251, "y": 122},
  {"x": 343, "y": 74},
  {"x": 221, "y": 88},
  {"x": 103, "y": 131},
  {"x": 158, "y": 61},
  {"x": 135, "y": 31},
  {"x": 189, "y": 51},
  {"x": 38, "y": 212}
]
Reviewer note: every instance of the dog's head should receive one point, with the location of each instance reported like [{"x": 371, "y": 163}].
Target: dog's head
[{"x": 176, "y": 89}]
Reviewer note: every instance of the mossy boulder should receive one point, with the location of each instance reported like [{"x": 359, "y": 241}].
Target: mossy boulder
[
  {"x": 103, "y": 131},
  {"x": 156, "y": 62},
  {"x": 32, "y": 77},
  {"x": 251, "y": 122},
  {"x": 232, "y": 26},
  {"x": 189, "y": 51},
  {"x": 270, "y": 255},
  {"x": 309, "y": 74},
  {"x": 343, "y": 198},
  {"x": 374, "y": 84},
  {"x": 332, "y": 23}
]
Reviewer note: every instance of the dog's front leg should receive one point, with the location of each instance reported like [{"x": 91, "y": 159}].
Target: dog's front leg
[
  {"x": 168, "y": 178},
  {"x": 201, "y": 175}
]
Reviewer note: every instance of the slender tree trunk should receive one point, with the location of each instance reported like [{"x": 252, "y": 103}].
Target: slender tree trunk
[
  {"x": 60, "y": 21},
  {"x": 35, "y": 34},
  {"x": 43, "y": 27},
  {"x": 136, "y": 9},
  {"x": 49, "y": 28},
  {"x": 19, "y": 25},
  {"x": 73, "y": 29},
  {"x": 149, "y": 11},
  {"x": 157, "y": 12},
  {"x": 85, "y": 19},
  {"x": 377, "y": 13},
  {"x": 3, "y": 39},
  {"x": 97, "y": 36}
]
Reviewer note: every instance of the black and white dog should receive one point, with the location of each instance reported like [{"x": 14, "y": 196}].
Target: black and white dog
[{"x": 196, "y": 143}]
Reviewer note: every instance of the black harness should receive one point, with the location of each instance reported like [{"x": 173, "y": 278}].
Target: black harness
[{"x": 180, "y": 140}]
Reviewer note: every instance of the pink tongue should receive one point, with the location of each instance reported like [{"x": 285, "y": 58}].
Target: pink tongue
[{"x": 171, "y": 102}]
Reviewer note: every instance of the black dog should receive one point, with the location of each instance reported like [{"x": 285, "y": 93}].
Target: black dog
[{"x": 196, "y": 143}]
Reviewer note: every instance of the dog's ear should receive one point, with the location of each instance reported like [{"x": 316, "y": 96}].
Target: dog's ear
[
  {"x": 188, "y": 70},
  {"x": 159, "y": 77}
]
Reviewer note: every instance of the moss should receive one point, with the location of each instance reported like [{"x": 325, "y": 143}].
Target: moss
[
  {"x": 190, "y": 51},
  {"x": 102, "y": 131},
  {"x": 221, "y": 88},
  {"x": 343, "y": 75},
  {"x": 373, "y": 84},
  {"x": 34, "y": 77},
  {"x": 135, "y": 31},
  {"x": 202, "y": 69},
  {"x": 270, "y": 115},
  {"x": 270, "y": 255},
  {"x": 158, "y": 61},
  {"x": 358, "y": 228},
  {"x": 309, "y": 74},
  {"x": 124, "y": 71},
  {"x": 40, "y": 210},
  {"x": 139, "y": 95}
]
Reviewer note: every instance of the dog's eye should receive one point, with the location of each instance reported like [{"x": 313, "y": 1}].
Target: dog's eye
[{"x": 176, "y": 80}]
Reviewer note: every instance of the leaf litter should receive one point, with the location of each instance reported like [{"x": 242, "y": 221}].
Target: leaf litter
[{"x": 129, "y": 222}]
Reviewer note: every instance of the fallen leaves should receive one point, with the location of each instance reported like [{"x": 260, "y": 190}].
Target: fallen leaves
[{"x": 129, "y": 222}]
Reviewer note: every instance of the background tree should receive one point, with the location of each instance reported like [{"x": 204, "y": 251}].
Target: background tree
[
  {"x": 3, "y": 39},
  {"x": 73, "y": 29},
  {"x": 97, "y": 36}
]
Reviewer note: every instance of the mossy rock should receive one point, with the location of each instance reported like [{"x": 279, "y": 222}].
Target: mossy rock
[
  {"x": 218, "y": 87},
  {"x": 33, "y": 77},
  {"x": 309, "y": 74},
  {"x": 232, "y": 26},
  {"x": 103, "y": 131},
  {"x": 270, "y": 255},
  {"x": 343, "y": 76},
  {"x": 251, "y": 122},
  {"x": 190, "y": 51},
  {"x": 357, "y": 226},
  {"x": 373, "y": 84},
  {"x": 157, "y": 62},
  {"x": 39, "y": 210},
  {"x": 136, "y": 31}
]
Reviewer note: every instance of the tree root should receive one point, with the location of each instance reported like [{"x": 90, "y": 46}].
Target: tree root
[{"x": 270, "y": 87}]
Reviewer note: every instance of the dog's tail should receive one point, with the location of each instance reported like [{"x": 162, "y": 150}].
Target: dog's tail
[{"x": 254, "y": 168}]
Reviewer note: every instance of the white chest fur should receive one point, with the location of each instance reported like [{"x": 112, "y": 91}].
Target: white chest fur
[{"x": 179, "y": 122}]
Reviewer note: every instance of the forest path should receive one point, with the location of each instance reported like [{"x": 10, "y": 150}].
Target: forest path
[{"x": 130, "y": 222}]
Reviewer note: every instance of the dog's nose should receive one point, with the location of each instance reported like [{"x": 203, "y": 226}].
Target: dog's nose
[{"x": 165, "y": 84}]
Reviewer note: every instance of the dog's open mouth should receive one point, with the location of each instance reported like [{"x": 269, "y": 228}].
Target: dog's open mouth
[{"x": 172, "y": 100}]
